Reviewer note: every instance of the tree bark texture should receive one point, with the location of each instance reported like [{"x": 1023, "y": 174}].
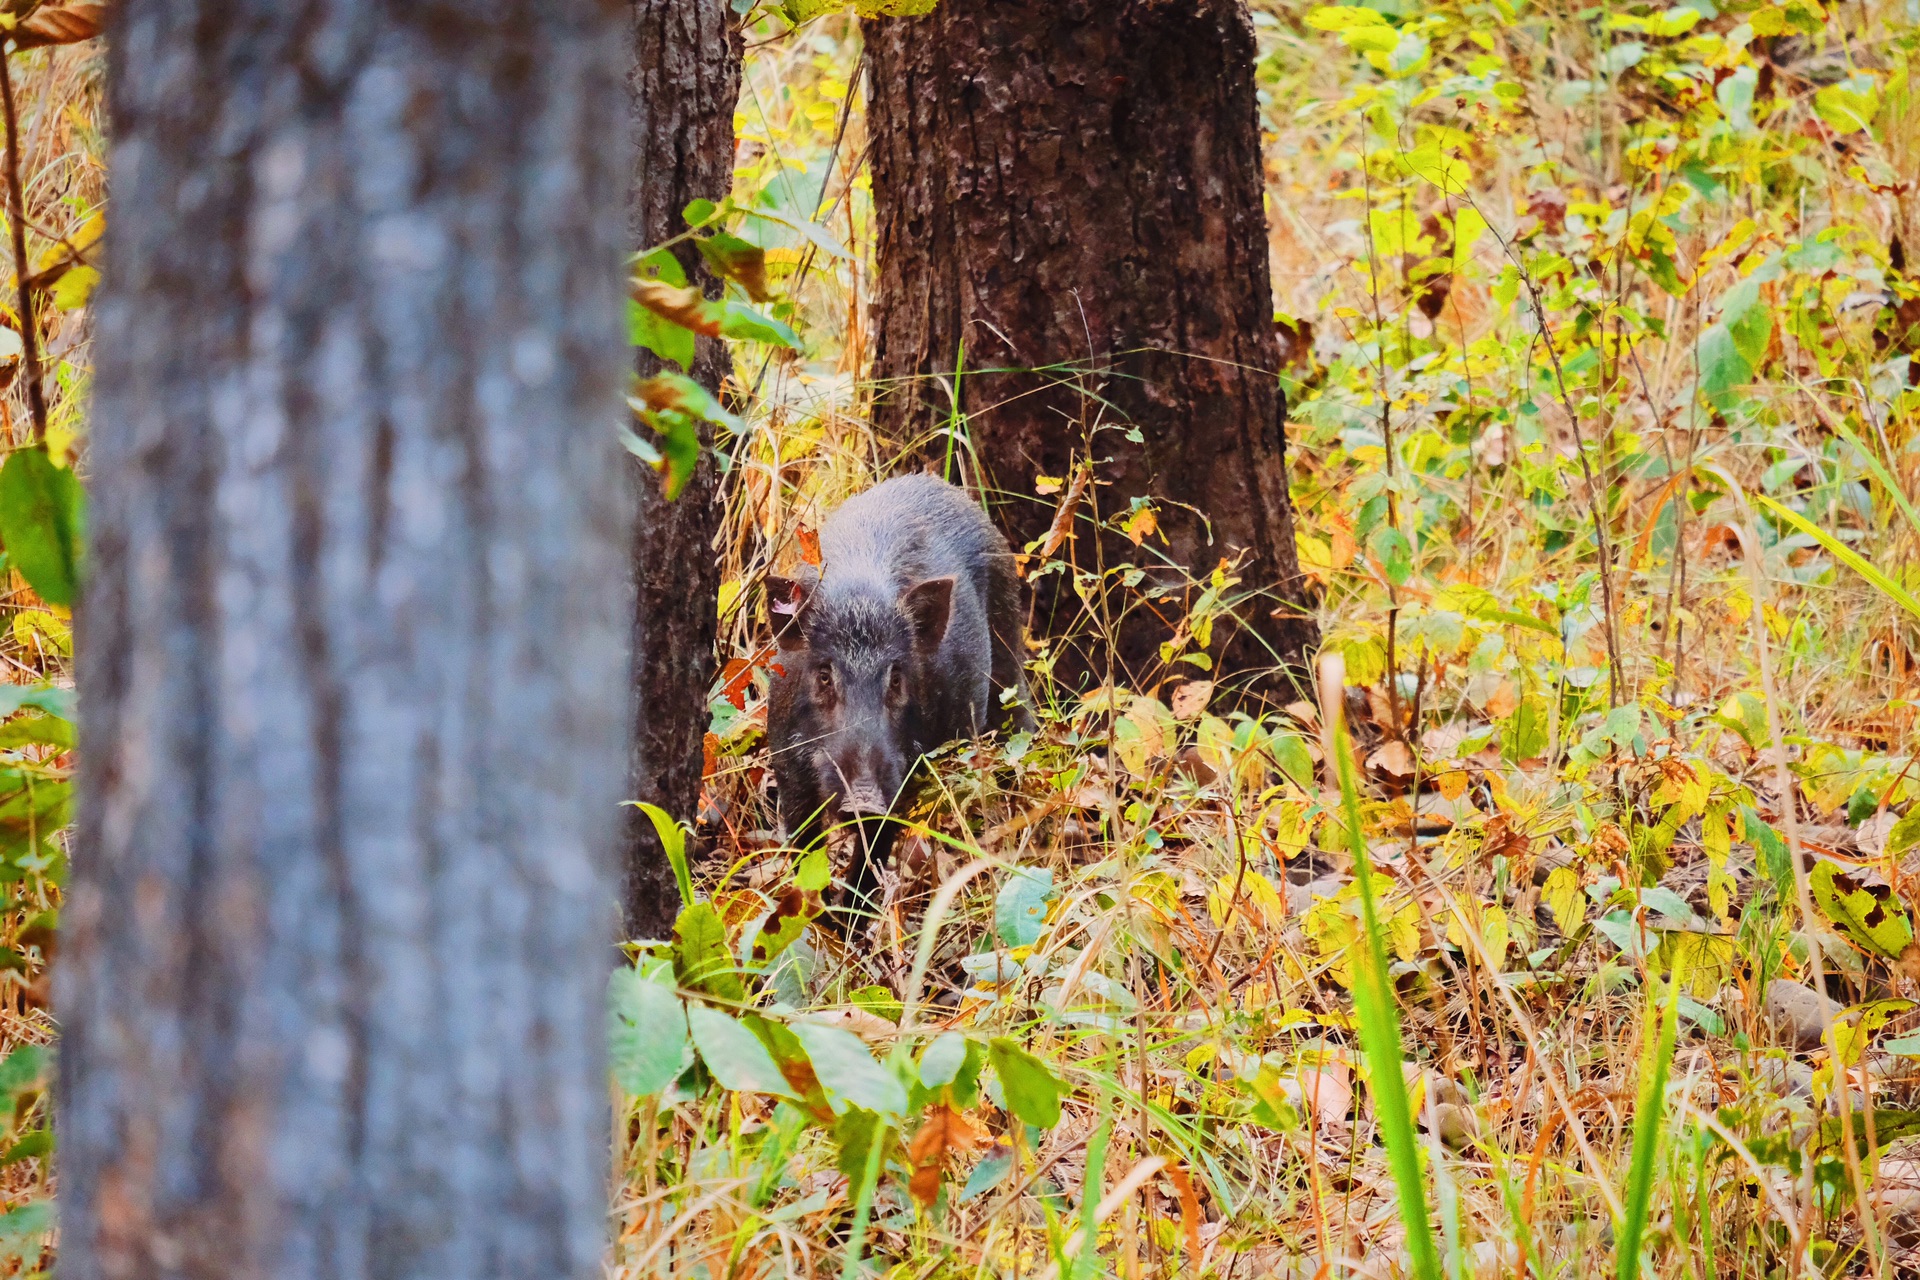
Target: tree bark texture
[
  {"x": 683, "y": 85},
  {"x": 1075, "y": 186},
  {"x": 353, "y": 648}
]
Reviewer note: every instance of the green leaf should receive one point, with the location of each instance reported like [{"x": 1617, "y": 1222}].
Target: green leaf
[
  {"x": 1723, "y": 370},
  {"x": 853, "y": 1134},
  {"x": 738, "y": 320},
  {"x": 1905, "y": 834},
  {"x": 51, "y": 699},
  {"x": 1776, "y": 858},
  {"x": 813, "y": 871},
  {"x": 1390, "y": 547},
  {"x": 1427, "y": 161},
  {"x": 701, "y": 961},
  {"x": 1020, "y": 908},
  {"x": 1291, "y": 755},
  {"x": 1032, "y": 1091},
  {"x": 1849, "y": 106},
  {"x": 697, "y": 214},
  {"x": 1870, "y": 914},
  {"x": 734, "y": 1054},
  {"x": 39, "y": 731},
  {"x": 940, "y": 1061},
  {"x": 24, "y": 1069},
  {"x": 34, "y": 1145},
  {"x": 647, "y": 1043},
  {"x": 18, "y": 1226},
  {"x": 41, "y": 522},
  {"x": 673, "y": 839},
  {"x": 1749, "y": 322},
  {"x": 659, "y": 335},
  {"x": 848, "y": 1072}
]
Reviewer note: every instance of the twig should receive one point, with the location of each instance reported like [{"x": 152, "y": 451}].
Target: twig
[{"x": 17, "y": 218}]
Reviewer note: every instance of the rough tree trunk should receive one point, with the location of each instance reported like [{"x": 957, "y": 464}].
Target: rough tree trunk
[
  {"x": 353, "y": 648},
  {"x": 683, "y": 84},
  {"x": 1078, "y": 183}
]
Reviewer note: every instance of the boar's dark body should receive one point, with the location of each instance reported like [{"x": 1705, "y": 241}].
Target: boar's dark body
[{"x": 904, "y": 639}]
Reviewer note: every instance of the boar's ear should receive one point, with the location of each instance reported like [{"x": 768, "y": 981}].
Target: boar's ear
[
  {"x": 787, "y": 601},
  {"x": 928, "y": 604}
]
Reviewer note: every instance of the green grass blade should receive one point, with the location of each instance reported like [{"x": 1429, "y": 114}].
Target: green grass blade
[
  {"x": 1380, "y": 1029},
  {"x": 1647, "y": 1124},
  {"x": 1844, "y": 554},
  {"x": 1880, "y": 473},
  {"x": 674, "y": 840}
]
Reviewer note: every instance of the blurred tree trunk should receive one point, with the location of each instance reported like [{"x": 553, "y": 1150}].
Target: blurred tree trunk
[
  {"x": 1078, "y": 183},
  {"x": 683, "y": 84},
  {"x": 354, "y": 650}
]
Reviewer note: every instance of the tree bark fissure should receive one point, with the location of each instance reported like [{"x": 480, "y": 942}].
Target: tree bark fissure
[
  {"x": 683, "y": 84},
  {"x": 1075, "y": 189},
  {"x": 333, "y": 980}
]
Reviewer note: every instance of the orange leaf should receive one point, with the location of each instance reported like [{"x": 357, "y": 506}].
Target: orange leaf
[
  {"x": 68, "y": 24},
  {"x": 1189, "y": 1214},
  {"x": 809, "y": 545},
  {"x": 945, "y": 1132}
]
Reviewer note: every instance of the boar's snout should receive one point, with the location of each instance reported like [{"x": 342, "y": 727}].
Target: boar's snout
[{"x": 864, "y": 780}]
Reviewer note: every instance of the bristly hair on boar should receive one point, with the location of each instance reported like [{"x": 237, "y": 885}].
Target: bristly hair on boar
[{"x": 905, "y": 638}]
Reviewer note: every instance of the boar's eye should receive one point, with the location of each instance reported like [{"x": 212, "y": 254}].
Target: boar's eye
[
  {"x": 823, "y": 680},
  {"x": 897, "y": 685}
]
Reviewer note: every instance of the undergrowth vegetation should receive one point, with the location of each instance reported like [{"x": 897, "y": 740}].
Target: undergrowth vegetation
[
  {"x": 1601, "y": 357},
  {"x": 1562, "y": 926}
]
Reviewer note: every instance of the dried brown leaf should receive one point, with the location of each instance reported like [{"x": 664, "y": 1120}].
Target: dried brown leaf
[{"x": 67, "y": 24}]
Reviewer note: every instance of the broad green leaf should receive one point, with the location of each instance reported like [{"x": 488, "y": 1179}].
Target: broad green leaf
[
  {"x": 1905, "y": 834},
  {"x": 813, "y": 871},
  {"x": 1723, "y": 370},
  {"x": 1849, "y": 106},
  {"x": 41, "y": 522},
  {"x": 738, "y": 320},
  {"x": 1427, "y": 161},
  {"x": 940, "y": 1061},
  {"x": 647, "y": 1044},
  {"x": 23, "y": 1069},
  {"x": 1291, "y": 756},
  {"x": 1033, "y": 1092},
  {"x": 1869, "y": 914},
  {"x": 74, "y": 289},
  {"x": 659, "y": 335},
  {"x": 51, "y": 699},
  {"x": 1020, "y": 909},
  {"x": 701, "y": 961},
  {"x": 734, "y": 1054},
  {"x": 1775, "y": 856},
  {"x": 848, "y": 1072},
  {"x": 18, "y": 1226}
]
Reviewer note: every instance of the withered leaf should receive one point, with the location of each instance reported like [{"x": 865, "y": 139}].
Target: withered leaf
[
  {"x": 67, "y": 24},
  {"x": 945, "y": 1132}
]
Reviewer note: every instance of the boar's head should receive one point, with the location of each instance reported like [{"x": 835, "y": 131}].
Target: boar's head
[{"x": 856, "y": 661}]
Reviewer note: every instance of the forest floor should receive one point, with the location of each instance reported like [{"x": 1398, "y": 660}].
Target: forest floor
[{"x": 1108, "y": 1022}]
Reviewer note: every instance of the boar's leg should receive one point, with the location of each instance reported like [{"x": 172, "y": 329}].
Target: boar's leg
[{"x": 802, "y": 808}]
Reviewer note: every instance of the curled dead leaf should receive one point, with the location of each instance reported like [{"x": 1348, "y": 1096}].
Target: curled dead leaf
[
  {"x": 1190, "y": 699},
  {"x": 66, "y": 24}
]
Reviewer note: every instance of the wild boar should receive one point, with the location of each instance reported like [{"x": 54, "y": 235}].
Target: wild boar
[{"x": 903, "y": 639}]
